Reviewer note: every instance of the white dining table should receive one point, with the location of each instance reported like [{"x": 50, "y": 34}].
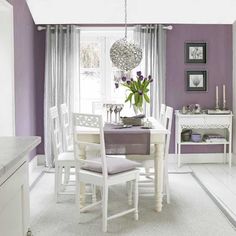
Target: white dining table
[{"x": 157, "y": 138}]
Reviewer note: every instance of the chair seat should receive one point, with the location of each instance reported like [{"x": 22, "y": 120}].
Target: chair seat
[
  {"x": 97, "y": 178},
  {"x": 66, "y": 157},
  {"x": 114, "y": 165},
  {"x": 70, "y": 148}
]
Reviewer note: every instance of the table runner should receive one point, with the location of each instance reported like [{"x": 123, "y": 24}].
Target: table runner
[{"x": 126, "y": 141}]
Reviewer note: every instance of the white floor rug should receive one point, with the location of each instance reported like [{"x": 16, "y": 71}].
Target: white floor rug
[{"x": 191, "y": 213}]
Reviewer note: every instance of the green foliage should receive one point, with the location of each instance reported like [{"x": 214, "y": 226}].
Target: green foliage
[{"x": 138, "y": 90}]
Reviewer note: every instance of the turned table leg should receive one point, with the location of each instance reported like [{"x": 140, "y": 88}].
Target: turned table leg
[{"x": 159, "y": 172}]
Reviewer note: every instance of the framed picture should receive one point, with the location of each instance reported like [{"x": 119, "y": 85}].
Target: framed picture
[
  {"x": 196, "y": 80},
  {"x": 195, "y": 52}
]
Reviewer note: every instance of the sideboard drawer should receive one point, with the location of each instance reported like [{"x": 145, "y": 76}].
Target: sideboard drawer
[
  {"x": 220, "y": 122},
  {"x": 193, "y": 122}
]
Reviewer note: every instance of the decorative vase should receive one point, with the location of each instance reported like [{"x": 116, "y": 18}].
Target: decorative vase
[{"x": 137, "y": 110}]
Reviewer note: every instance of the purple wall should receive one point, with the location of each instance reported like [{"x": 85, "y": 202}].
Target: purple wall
[
  {"x": 29, "y": 69},
  {"x": 218, "y": 66}
]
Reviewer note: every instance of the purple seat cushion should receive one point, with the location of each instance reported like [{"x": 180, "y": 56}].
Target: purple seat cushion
[{"x": 115, "y": 165}]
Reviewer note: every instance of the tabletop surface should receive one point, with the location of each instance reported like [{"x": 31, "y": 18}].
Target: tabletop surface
[{"x": 157, "y": 128}]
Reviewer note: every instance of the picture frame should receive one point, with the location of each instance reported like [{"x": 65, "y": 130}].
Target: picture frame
[
  {"x": 196, "y": 80},
  {"x": 195, "y": 52}
]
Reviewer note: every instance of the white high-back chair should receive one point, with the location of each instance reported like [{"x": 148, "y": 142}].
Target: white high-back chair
[
  {"x": 100, "y": 171},
  {"x": 162, "y": 118},
  {"x": 165, "y": 118},
  {"x": 63, "y": 160}
]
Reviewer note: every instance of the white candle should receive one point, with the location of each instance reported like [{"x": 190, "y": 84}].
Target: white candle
[
  {"x": 224, "y": 100},
  {"x": 217, "y": 104}
]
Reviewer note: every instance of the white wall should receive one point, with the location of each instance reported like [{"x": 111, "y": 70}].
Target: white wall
[
  {"x": 139, "y": 11},
  {"x": 234, "y": 87},
  {"x": 7, "y": 98}
]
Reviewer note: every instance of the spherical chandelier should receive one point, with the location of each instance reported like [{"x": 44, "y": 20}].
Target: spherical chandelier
[{"x": 125, "y": 55}]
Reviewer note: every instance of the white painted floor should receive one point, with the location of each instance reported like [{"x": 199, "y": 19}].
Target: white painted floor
[{"x": 220, "y": 181}]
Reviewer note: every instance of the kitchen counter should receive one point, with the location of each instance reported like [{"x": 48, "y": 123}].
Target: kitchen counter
[
  {"x": 14, "y": 184},
  {"x": 13, "y": 149}
]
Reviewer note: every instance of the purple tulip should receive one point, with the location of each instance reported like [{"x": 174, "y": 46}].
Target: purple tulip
[
  {"x": 151, "y": 80},
  {"x": 131, "y": 79},
  {"x": 140, "y": 77},
  {"x": 128, "y": 82},
  {"x": 123, "y": 78},
  {"x": 149, "y": 77},
  {"x": 116, "y": 85},
  {"x": 139, "y": 73},
  {"x": 140, "y": 92},
  {"x": 145, "y": 78}
]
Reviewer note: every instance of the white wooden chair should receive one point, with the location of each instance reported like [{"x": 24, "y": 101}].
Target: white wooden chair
[
  {"x": 63, "y": 160},
  {"x": 149, "y": 163},
  {"x": 168, "y": 118},
  {"x": 166, "y": 115},
  {"x": 97, "y": 170}
]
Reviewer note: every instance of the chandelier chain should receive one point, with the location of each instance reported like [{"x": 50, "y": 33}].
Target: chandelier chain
[{"x": 126, "y": 19}]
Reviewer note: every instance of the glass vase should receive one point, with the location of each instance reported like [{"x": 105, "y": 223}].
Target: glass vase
[{"x": 138, "y": 109}]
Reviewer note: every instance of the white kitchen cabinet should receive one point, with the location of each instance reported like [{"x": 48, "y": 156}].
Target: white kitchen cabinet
[{"x": 14, "y": 184}]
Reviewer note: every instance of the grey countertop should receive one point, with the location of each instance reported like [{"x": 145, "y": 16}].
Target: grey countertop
[{"x": 13, "y": 149}]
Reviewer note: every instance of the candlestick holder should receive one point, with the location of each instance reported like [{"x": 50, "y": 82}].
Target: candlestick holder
[
  {"x": 224, "y": 105},
  {"x": 217, "y": 107}
]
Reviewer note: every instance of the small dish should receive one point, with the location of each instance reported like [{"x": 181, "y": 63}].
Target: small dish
[
  {"x": 145, "y": 127},
  {"x": 123, "y": 127}
]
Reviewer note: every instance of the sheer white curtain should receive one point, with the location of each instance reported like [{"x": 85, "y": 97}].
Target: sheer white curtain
[
  {"x": 152, "y": 39},
  {"x": 61, "y": 69}
]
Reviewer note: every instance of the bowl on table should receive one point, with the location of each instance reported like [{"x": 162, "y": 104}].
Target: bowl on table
[{"x": 195, "y": 137}]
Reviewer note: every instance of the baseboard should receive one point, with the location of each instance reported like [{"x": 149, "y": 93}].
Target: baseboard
[{"x": 198, "y": 158}]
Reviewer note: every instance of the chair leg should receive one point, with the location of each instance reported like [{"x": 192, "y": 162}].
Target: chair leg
[
  {"x": 56, "y": 182},
  {"x": 130, "y": 191},
  {"x": 60, "y": 172},
  {"x": 136, "y": 198},
  {"x": 104, "y": 208},
  {"x": 67, "y": 175},
  {"x": 77, "y": 196},
  {"x": 94, "y": 197},
  {"x": 167, "y": 188},
  {"x": 147, "y": 172}
]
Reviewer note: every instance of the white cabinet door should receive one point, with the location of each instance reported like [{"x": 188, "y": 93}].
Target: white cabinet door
[
  {"x": 14, "y": 204},
  {"x": 7, "y": 98}
]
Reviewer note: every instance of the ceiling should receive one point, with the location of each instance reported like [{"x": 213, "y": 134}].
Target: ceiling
[{"x": 139, "y": 11}]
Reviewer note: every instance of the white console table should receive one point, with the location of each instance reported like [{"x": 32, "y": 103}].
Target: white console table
[{"x": 203, "y": 122}]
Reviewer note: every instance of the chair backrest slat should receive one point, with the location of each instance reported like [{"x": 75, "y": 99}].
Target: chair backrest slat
[
  {"x": 55, "y": 132},
  {"x": 168, "y": 123},
  {"x": 65, "y": 122},
  {"x": 162, "y": 117},
  {"x": 89, "y": 121}
]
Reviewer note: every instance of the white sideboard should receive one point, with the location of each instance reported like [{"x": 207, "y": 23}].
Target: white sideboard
[
  {"x": 14, "y": 185},
  {"x": 203, "y": 122}
]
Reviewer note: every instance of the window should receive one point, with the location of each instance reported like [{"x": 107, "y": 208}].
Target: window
[{"x": 96, "y": 70}]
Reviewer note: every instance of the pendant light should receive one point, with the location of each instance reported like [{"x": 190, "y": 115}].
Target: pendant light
[{"x": 125, "y": 55}]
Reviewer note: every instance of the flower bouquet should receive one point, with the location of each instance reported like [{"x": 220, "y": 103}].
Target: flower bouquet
[{"x": 138, "y": 89}]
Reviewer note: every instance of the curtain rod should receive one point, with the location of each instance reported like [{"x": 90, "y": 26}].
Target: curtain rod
[{"x": 165, "y": 27}]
